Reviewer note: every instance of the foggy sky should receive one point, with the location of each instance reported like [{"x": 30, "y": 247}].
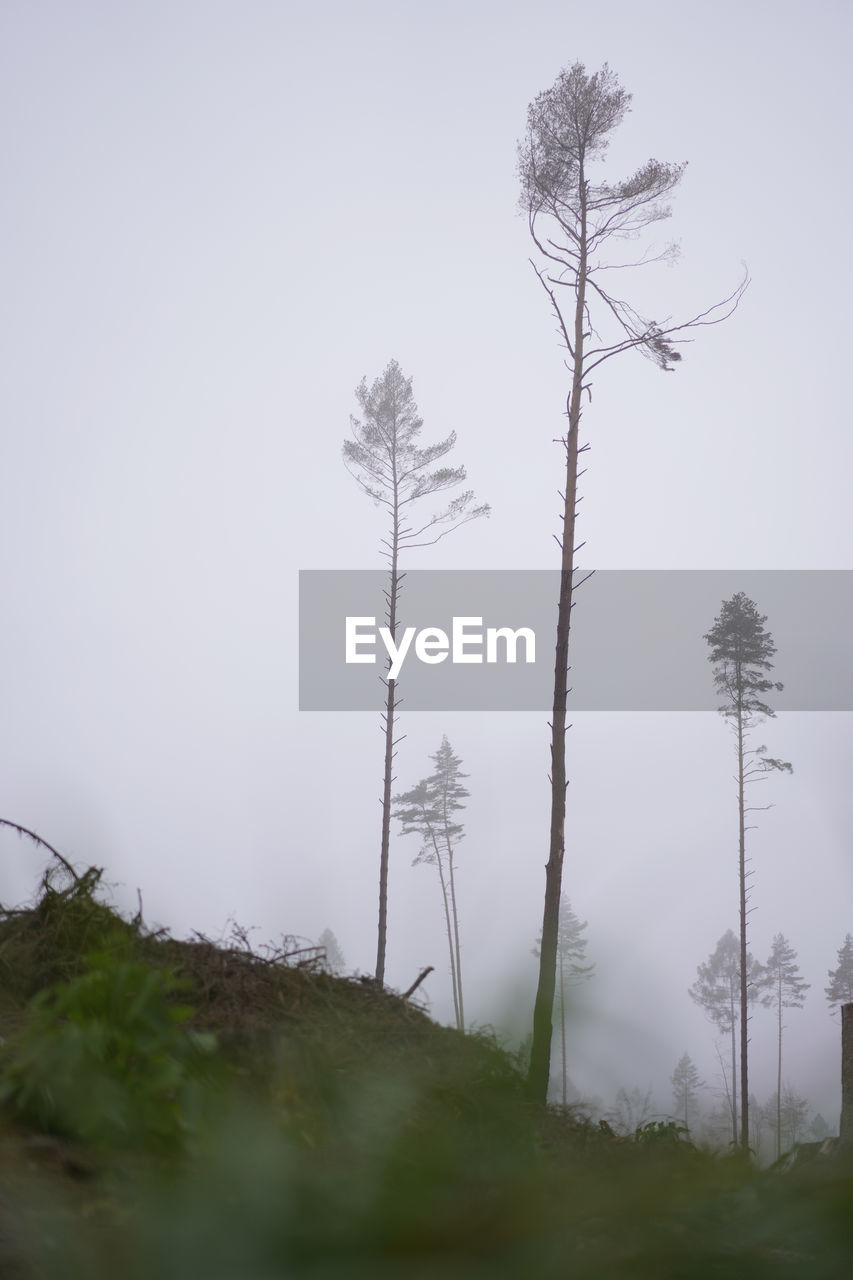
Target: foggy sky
[{"x": 217, "y": 220}]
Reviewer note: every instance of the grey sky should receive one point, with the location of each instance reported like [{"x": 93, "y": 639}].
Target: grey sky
[{"x": 216, "y": 220}]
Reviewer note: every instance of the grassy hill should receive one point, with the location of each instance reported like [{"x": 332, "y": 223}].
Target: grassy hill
[{"x": 173, "y": 1109}]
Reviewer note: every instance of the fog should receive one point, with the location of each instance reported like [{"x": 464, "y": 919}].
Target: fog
[{"x": 217, "y": 220}]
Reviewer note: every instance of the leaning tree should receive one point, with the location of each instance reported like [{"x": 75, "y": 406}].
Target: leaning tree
[
  {"x": 741, "y": 656},
  {"x": 577, "y": 223},
  {"x": 397, "y": 473}
]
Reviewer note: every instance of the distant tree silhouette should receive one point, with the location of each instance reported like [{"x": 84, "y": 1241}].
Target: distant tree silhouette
[
  {"x": 741, "y": 653},
  {"x": 571, "y": 950},
  {"x": 630, "y": 1111},
  {"x": 396, "y": 472},
  {"x": 427, "y": 810},
  {"x": 718, "y": 990},
  {"x": 790, "y": 1113},
  {"x": 685, "y": 1088},
  {"x": 783, "y": 988},
  {"x": 333, "y": 959}
]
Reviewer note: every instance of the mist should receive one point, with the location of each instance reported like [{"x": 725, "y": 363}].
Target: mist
[{"x": 217, "y": 222}]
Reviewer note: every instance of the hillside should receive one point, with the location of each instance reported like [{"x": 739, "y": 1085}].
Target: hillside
[{"x": 174, "y": 1108}]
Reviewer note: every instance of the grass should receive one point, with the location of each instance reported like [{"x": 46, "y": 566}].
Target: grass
[{"x": 180, "y": 1108}]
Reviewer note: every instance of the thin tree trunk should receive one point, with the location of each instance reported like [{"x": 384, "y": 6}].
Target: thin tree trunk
[
  {"x": 779, "y": 1078},
  {"x": 563, "y": 1029},
  {"x": 730, "y": 1094},
  {"x": 735, "y": 1135},
  {"x": 449, "y": 846},
  {"x": 454, "y": 972},
  {"x": 456, "y": 935},
  {"x": 389, "y": 745},
  {"x": 540, "y": 1051},
  {"x": 845, "y": 1132},
  {"x": 744, "y": 1012}
]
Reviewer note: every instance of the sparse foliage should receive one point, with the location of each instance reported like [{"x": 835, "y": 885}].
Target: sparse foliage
[
  {"x": 718, "y": 990},
  {"x": 790, "y": 1112},
  {"x": 716, "y": 1125},
  {"x": 685, "y": 1089},
  {"x": 840, "y": 989},
  {"x": 396, "y": 472},
  {"x": 630, "y": 1111},
  {"x": 757, "y": 1125},
  {"x": 783, "y": 988},
  {"x": 741, "y": 656},
  {"x": 577, "y": 225},
  {"x": 571, "y": 950},
  {"x": 427, "y": 810}
]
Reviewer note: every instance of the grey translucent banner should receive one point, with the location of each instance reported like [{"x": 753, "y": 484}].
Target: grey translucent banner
[{"x": 636, "y": 640}]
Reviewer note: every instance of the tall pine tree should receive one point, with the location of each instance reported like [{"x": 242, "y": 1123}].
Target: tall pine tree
[
  {"x": 579, "y": 223},
  {"x": 741, "y": 655}
]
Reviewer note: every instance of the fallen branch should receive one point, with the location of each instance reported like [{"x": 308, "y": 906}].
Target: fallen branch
[
  {"x": 417, "y": 982},
  {"x": 25, "y": 831}
]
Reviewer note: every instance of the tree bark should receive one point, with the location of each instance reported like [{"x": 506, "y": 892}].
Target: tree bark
[
  {"x": 744, "y": 1011},
  {"x": 563, "y": 1029},
  {"x": 456, "y": 937},
  {"x": 389, "y": 743},
  {"x": 454, "y": 973},
  {"x": 734, "y": 1078},
  {"x": 846, "y": 1129},
  {"x": 779, "y": 1078},
  {"x": 540, "y": 1053}
]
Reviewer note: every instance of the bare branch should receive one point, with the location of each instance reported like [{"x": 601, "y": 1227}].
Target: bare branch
[
  {"x": 417, "y": 982},
  {"x": 31, "y": 835}
]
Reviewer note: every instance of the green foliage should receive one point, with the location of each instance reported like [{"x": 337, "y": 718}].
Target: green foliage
[
  {"x": 370, "y": 1143},
  {"x": 105, "y": 1059},
  {"x": 50, "y": 943},
  {"x": 665, "y": 1133}
]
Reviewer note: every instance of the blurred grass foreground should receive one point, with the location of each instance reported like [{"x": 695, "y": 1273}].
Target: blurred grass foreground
[{"x": 180, "y": 1108}]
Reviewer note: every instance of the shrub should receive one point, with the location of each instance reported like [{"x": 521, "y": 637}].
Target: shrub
[{"x": 104, "y": 1058}]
